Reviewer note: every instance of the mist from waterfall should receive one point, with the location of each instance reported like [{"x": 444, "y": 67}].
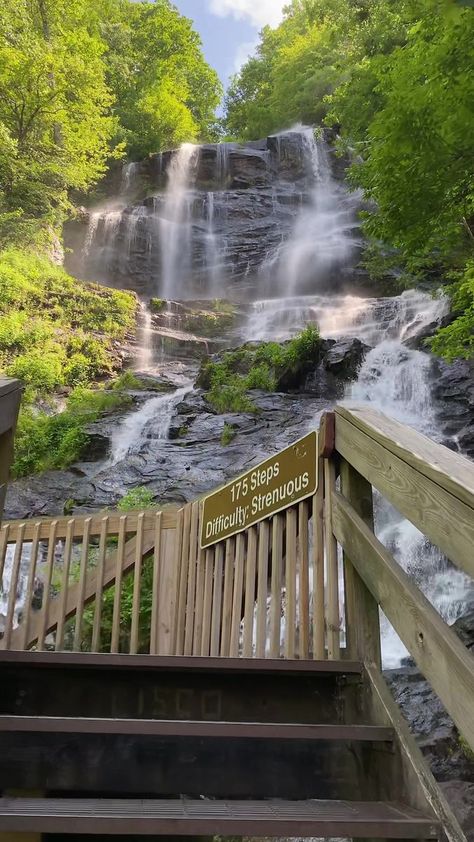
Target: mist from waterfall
[
  {"x": 175, "y": 227},
  {"x": 322, "y": 240}
]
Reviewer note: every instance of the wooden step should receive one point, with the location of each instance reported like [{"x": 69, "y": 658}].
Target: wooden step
[
  {"x": 183, "y": 664},
  {"x": 194, "y": 728},
  {"x": 64, "y": 684},
  {"x": 119, "y": 817}
]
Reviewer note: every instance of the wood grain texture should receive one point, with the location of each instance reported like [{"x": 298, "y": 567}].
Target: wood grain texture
[
  {"x": 250, "y": 582},
  {"x": 303, "y": 579},
  {"x": 447, "y": 469},
  {"x": 276, "y": 585},
  {"x": 156, "y": 587},
  {"x": 137, "y": 584},
  {"x": 192, "y": 573},
  {"x": 24, "y": 626},
  {"x": 226, "y": 616},
  {"x": 237, "y": 600},
  {"x": 290, "y": 582},
  {"x": 416, "y": 783},
  {"x": 441, "y": 657},
  {"x": 362, "y": 611},
  {"x": 318, "y": 569},
  {"x": 447, "y": 520},
  {"x": 332, "y": 571},
  {"x": 119, "y": 570},
  {"x": 48, "y": 573},
  {"x": 262, "y": 588},
  {"x": 170, "y": 516},
  {"x": 64, "y": 587}
]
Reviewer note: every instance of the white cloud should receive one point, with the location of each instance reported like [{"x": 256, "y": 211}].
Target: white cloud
[{"x": 257, "y": 12}]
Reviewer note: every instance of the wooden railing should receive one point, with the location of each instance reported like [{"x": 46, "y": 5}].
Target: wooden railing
[
  {"x": 434, "y": 489},
  {"x": 10, "y": 396},
  {"x": 138, "y": 582}
]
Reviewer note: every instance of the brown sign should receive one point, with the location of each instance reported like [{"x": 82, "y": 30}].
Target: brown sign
[{"x": 270, "y": 487}]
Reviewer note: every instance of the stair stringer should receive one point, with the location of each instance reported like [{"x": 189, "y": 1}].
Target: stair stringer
[{"x": 407, "y": 777}]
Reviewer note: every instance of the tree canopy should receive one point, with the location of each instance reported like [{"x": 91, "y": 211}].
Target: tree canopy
[
  {"x": 394, "y": 79},
  {"x": 84, "y": 81}
]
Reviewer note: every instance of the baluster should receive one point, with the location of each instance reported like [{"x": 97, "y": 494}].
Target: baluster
[
  {"x": 43, "y": 622},
  {"x": 64, "y": 584},
  {"x": 137, "y": 580},
  {"x": 82, "y": 585},
  {"x": 12, "y": 594},
  {"x": 24, "y": 642},
  {"x": 250, "y": 591},
  {"x": 115, "y": 637},
  {"x": 95, "y": 646}
]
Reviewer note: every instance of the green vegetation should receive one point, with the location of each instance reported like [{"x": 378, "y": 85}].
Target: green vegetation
[
  {"x": 158, "y": 305},
  {"x": 209, "y": 324},
  {"x": 457, "y": 339},
  {"x": 136, "y": 499},
  {"x": 45, "y": 441},
  {"x": 228, "y": 434},
  {"x": 268, "y": 366},
  {"x": 395, "y": 81},
  {"x": 57, "y": 333},
  {"x": 83, "y": 83}
]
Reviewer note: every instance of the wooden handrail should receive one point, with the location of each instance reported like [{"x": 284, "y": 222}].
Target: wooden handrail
[
  {"x": 437, "y": 496},
  {"x": 434, "y": 489}
]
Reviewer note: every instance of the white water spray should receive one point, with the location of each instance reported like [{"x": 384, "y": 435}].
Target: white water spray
[
  {"x": 175, "y": 228},
  {"x": 322, "y": 238}
]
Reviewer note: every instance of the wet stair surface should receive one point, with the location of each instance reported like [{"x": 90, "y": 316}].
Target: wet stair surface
[{"x": 131, "y": 745}]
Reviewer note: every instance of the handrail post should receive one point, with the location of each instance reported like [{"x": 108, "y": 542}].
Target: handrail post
[
  {"x": 362, "y": 611},
  {"x": 10, "y": 397}
]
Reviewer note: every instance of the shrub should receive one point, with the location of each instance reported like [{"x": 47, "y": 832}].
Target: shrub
[
  {"x": 44, "y": 442},
  {"x": 41, "y": 369},
  {"x": 137, "y": 498},
  {"x": 457, "y": 339},
  {"x": 267, "y": 366}
]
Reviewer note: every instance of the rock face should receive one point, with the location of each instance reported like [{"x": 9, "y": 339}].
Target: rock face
[
  {"x": 230, "y": 207},
  {"x": 454, "y": 390}
]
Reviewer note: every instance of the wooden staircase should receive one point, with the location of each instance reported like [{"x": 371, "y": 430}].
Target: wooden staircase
[
  {"x": 124, "y": 745},
  {"x": 153, "y": 685}
]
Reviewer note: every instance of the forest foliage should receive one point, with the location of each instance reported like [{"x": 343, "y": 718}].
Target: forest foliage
[
  {"x": 83, "y": 82},
  {"x": 395, "y": 81}
]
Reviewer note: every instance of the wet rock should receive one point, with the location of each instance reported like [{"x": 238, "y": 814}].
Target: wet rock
[
  {"x": 98, "y": 446},
  {"x": 464, "y": 628},
  {"x": 453, "y": 390},
  {"x": 288, "y": 157},
  {"x": 460, "y": 796}
]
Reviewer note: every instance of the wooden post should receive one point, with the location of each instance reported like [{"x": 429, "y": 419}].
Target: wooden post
[
  {"x": 362, "y": 611},
  {"x": 10, "y": 396}
]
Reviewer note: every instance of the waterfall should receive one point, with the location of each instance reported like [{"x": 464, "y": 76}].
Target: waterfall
[
  {"x": 129, "y": 176},
  {"x": 128, "y": 437},
  {"x": 211, "y": 250},
  {"x": 176, "y": 224},
  {"x": 144, "y": 360},
  {"x": 322, "y": 239}
]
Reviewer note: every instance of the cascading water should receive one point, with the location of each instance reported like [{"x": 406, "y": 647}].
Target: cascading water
[
  {"x": 128, "y": 437},
  {"x": 322, "y": 240},
  {"x": 212, "y": 249},
  {"x": 175, "y": 225},
  {"x": 271, "y": 220}
]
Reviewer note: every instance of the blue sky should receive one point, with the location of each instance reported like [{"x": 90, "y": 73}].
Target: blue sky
[{"x": 229, "y": 28}]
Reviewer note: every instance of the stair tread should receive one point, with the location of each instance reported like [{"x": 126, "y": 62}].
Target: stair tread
[
  {"x": 172, "y": 663},
  {"x": 194, "y": 817},
  {"x": 195, "y": 728}
]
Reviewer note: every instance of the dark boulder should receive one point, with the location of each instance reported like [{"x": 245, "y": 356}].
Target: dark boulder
[{"x": 453, "y": 390}]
